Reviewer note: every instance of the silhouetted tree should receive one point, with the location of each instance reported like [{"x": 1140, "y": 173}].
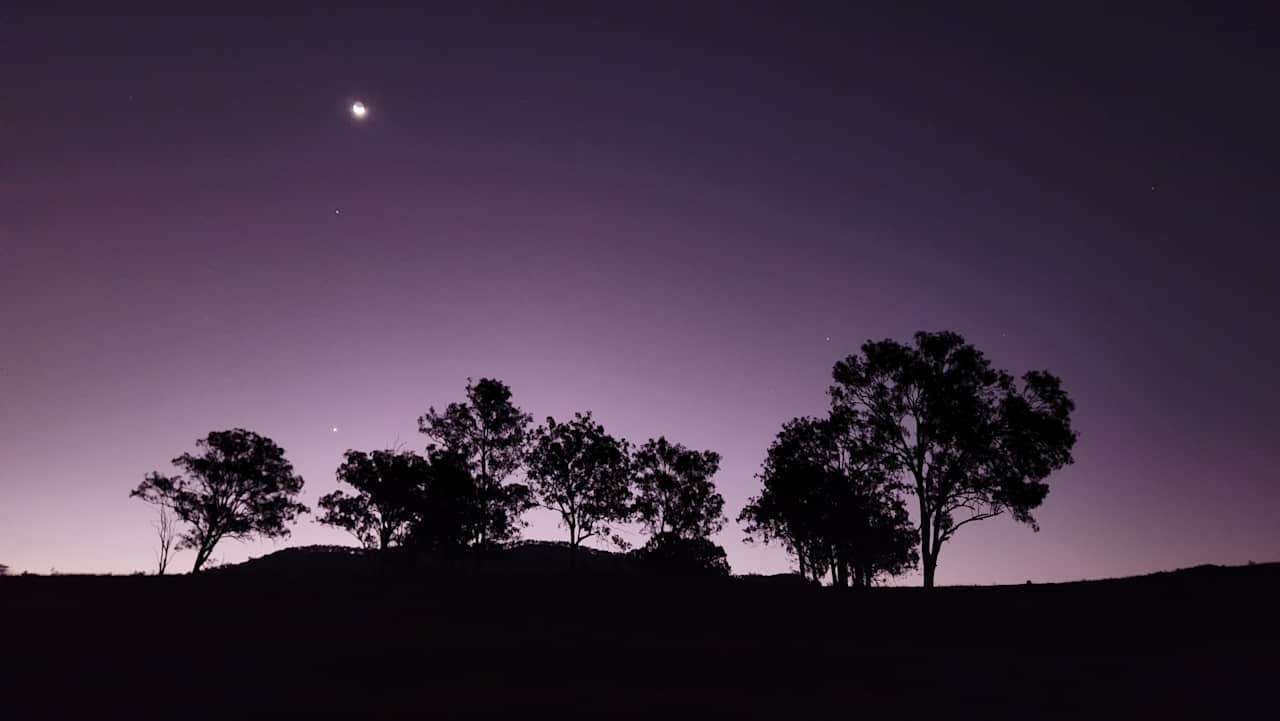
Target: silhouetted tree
[
  {"x": 794, "y": 478},
  {"x": 239, "y": 486},
  {"x": 828, "y": 501},
  {"x": 388, "y": 485},
  {"x": 869, "y": 527},
  {"x": 584, "y": 474},
  {"x": 4, "y": 570},
  {"x": 166, "y": 525},
  {"x": 674, "y": 491},
  {"x": 883, "y": 544},
  {"x": 447, "y": 513},
  {"x": 487, "y": 431},
  {"x": 973, "y": 442},
  {"x": 673, "y": 554}
]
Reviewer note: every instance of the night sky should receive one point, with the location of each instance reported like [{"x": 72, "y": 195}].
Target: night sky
[{"x": 677, "y": 219}]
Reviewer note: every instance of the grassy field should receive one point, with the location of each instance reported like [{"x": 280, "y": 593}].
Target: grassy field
[{"x": 1200, "y": 643}]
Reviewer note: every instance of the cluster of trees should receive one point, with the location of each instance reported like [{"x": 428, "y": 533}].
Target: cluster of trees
[
  {"x": 931, "y": 422},
  {"x": 461, "y": 495},
  {"x": 832, "y": 503}
]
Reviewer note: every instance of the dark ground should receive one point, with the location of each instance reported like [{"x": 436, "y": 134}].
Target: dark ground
[{"x": 1199, "y": 643}]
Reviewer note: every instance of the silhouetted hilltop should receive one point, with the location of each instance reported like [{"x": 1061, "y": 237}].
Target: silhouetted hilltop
[
  {"x": 304, "y": 560},
  {"x": 552, "y": 557},
  {"x": 544, "y": 557},
  {"x": 1205, "y": 579}
]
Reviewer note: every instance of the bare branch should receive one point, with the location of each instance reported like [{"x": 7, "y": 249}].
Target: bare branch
[
  {"x": 976, "y": 517},
  {"x": 166, "y": 526}
]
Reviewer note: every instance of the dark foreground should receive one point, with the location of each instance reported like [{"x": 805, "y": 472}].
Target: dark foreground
[{"x": 1197, "y": 644}]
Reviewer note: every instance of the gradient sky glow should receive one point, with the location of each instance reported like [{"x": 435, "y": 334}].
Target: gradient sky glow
[{"x": 657, "y": 215}]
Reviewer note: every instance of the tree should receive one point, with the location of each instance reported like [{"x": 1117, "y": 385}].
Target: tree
[
  {"x": 828, "y": 500},
  {"x": 973, "y": 442},
  {"x": 488, "y": 432},
  {"x": 881, "y": 543},
  {"x": 584, "y": 474},
  {"x": 4, "y": 570},
  {"x": 387, "y": 485},
  {"x": 446, "y": 514},
  {"x": 239, "y": 486},
  {"x": 674, "y": 491},
  {"x": 794, "y": 478},
  {"x": 669, "y": 553},
  {"x": 166, "y": 525}
]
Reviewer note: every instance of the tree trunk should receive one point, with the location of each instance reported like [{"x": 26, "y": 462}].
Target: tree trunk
[
  {"x": 202, "y": 555},
  {"x": 573, "y": 545},
  {"x": 929, "y": 561}
]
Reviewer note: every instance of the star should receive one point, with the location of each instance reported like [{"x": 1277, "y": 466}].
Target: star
[
  {"x": 359, "y": 110},
  {"x": 335, "y": 429},
  {"x": 337, "y": 212},
  {"x": 828, "y": 339}
]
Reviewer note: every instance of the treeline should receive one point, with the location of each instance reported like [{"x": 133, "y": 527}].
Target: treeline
[
  {"x": 930, "y": 422},
  {"x": 461, "y": 495}
]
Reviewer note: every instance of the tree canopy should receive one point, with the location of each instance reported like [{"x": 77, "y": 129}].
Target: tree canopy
[
  {"x": 972, "y": 442},
  {"x": 388, "y": 486},
  {"x": 828, "y": 501},
  {"x": 487, "y": 432},
  {"x": 448, "y": 514},
  {"x": 239, "y": 485},
  {"x": 583, "y": 473},
  {"x": 674, "y": 490}
]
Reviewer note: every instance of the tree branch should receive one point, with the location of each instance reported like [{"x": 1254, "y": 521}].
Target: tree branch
[{"x": 976, "y": 517}]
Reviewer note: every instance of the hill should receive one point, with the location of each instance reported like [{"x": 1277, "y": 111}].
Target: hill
[
  {"x": 1195, "y": 643},
  {"x": 519, "y": 558},
  {"x": 552, "y": 557}
]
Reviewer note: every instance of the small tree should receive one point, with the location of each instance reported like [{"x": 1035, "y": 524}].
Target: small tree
[
  {"x": 166, "y": 525},
  {"x": 239, "y": 486},
  {"x": 446, "y": 514},
  {"x": 4, "y": 570},
  {"x": 972, "y": 442},
  {"x": 487, "y": 431},
  {"x": 674, "y": 491},
  {"x": 582, "y": 473},
  {"x": 827, "y": 499},
  {"x": 793, "y": 476},
  {"x": 381, "y": 511}
]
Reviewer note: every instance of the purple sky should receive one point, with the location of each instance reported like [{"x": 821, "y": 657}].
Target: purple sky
[{"x": 659, "y": 216}]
